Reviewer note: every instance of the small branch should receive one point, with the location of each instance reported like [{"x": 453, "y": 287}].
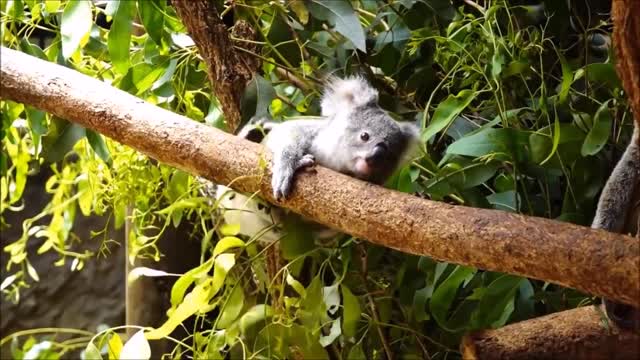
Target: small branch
[
  {"x": 581, "y": 333},
  {"x": 475, "y": 5},
  {"x": 229, "y": 71}
]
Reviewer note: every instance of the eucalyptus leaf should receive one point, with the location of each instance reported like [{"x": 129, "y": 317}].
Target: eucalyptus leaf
[
  {"x": 340, "y": 14},
  {"x": 75, "y": 26},
  {"x": 446, "y": 112},
  {"x": 120, "y": 35}
]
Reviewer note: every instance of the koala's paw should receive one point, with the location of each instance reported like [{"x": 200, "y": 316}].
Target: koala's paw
[
  {"x": 281, "y": 183},
  {"x": 282, "y": 180},
  {"x": 306, "y": 161}
]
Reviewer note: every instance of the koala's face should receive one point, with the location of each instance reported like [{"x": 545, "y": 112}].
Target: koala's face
[{"x": 376, "y": 143}]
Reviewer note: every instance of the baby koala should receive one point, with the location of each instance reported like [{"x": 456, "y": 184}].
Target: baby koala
[{"x": 353, "y": 136}]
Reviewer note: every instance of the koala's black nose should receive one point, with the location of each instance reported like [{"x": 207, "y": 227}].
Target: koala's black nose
[{"x": 377, "y": 154}]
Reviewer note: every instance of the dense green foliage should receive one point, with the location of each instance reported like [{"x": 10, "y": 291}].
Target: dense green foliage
[{"x": 520, "y": 107}]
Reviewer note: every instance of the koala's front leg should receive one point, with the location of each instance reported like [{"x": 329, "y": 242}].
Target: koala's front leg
[
  {"x": 284, "y": 168},
  {"x": 290, "y": 144}
]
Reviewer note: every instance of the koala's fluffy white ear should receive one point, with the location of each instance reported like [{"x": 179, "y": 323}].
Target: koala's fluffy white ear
[{"x": 343, "y": 95}]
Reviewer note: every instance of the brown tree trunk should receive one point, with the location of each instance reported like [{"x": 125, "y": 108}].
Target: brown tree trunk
[
  {"x": 626, "y": 40},
  {"x": 581, "y": 333},
  {"x": 594, "y": 261},
  {"x": 229, "y": 70}
]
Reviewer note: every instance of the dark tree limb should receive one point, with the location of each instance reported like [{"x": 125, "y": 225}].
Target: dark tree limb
[
  {"x": 229, "y": 70},
  {"x": 581, "y": 333},
  {"x": 590, "y": 260}
]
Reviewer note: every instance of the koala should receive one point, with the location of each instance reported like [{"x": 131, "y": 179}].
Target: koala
[
  {"x": 353, "y": 136},
  {"x": 612, "y": 213}
]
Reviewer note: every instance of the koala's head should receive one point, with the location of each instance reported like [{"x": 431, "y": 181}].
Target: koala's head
[{"x": 367, "y": 143}]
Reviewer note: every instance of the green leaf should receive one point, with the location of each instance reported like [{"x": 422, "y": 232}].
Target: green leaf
[
  {"x": 603, "y": 73},
  {"x": 508, "y": 141},
  {"x": 253, "y": 316},
  {"x": 114, "y": 346},
  {"x": 180, "y": 287},
  {"x": 351, "y": 312},
  {"x": 85, "y": 200},
  {"x": 599, "y": 133},
  {"x": 444, "y": 295},
  {"x": 152, "y": 18},
  {"x": 32, "y": 49},
  {"x": 91, "y": 352},
  {"x": 296, "y": 285},
  {"x": 37, "y": 124},
  {"x": 298, "y": 237},
  {"x": 231, "y": 308},
  {"x": 77, "y": 19},
  {"x": 256, "y": 98},
  {"x": 567, "y": 78},
  {"x": 226, "y": 243},
  {"x": 496, "y": 303},
  {"x": 497, "y": 61},
  {"x": 52, "y": 6},
  {"x": 506, "y": 200},
  {"x": 98, "y": 145},
  {"x": 356, "y": 353},
  {"x": 221, "y": 266},
  {"x": 340, "y": 14},
  {"x": 57, "y": 144},
  {"x": 120, "y": 35},
  {"x": 447, "y": 111},
  {"x": 193, "y": 302},
  {"x": 136, "y": 348},
  {"x": 556, "y": 139}
]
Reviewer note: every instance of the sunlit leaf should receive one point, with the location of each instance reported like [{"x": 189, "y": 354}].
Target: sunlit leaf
[
  {"x": 75, "y": 26},
  {"x": 137, "y": 272},
  {"x": 226, "y": 243},
  {"x": 180, "y": 286},
  {"x": 136, "y": 348},
  {"x": 114, "y": 346},
  {"x": 91, "y": 352}
]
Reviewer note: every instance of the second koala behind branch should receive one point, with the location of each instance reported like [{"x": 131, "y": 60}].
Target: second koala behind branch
[
  {"x": 613, "y": 212},
  {"x": 354, "y": 136}
]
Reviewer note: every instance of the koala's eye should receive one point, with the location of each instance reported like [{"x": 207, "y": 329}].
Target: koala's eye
[{"x": 364, "y": 136}]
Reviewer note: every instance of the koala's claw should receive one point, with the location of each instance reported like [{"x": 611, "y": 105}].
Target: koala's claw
[
  {"x": 282, "y": 181},
  {"x": 281, "y": 184}
]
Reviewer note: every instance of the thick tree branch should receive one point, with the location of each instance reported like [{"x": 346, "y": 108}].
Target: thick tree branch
[
  {"x": 229, "y": 70},
  {"x": 580, "y": 333},
  {"x": 626, "y": 40},
  {"x": 593, "y": 261}
]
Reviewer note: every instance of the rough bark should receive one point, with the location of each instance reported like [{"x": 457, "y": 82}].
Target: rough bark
[
  {"x": 229, "y": 70},
  {"x": 594, "y": 261},
  {"x": 626, "y": 39},
  {"x": 581, "y": 333}
]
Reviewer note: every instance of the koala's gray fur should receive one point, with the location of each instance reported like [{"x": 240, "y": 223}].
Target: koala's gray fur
[
  {"x": 611, "y": 213},
  {"x": 617, "y": 193},
  {"x": 354, "y": 136}
]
